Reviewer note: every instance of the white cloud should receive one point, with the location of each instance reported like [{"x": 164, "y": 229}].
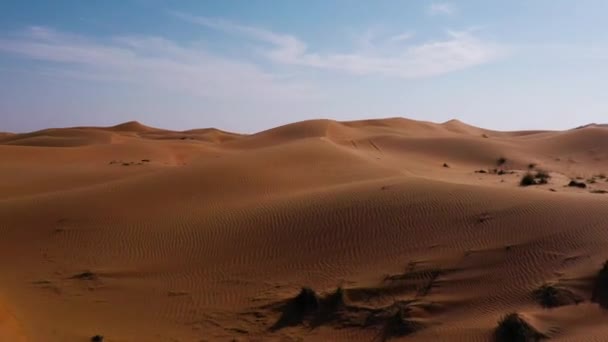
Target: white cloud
[
  {"x": 441, "y": 8},
  {"x": 150, "y": 62},
  {"x": 457, "y": 51}
]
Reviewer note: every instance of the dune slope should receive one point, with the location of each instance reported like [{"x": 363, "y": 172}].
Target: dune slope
[{"x": 143, "y": 234}]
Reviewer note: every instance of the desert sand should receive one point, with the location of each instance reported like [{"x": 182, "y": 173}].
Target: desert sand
[{"x": 143, "y": 234}]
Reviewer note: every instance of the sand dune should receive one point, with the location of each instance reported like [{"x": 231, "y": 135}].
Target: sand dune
[{"x": 144, "y": 234}]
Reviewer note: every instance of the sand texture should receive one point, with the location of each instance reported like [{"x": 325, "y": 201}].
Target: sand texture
[{"x": 397, "y": 229}]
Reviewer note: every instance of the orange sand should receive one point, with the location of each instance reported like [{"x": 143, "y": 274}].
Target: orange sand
[{"x": 204, "y": 241}]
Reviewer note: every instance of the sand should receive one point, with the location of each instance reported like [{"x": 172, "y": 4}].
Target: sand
[{"x": 143, "y": 234}]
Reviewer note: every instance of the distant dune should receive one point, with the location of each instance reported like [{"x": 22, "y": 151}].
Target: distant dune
[{"x": 398, "y": 229}]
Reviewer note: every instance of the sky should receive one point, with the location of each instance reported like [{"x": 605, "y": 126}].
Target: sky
[{"x": 246, "y": 66}]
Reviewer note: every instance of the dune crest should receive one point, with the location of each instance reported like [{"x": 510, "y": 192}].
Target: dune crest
[{"x": 381, "y": 229}]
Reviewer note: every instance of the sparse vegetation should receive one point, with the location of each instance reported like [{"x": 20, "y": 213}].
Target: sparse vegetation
[
  {"x": 513, "y": 328},
  {"x": 598, "y": 191},
  {"x": 600, "y": 289},
  {"x": 591, "y": 181},
  {"x": 336, "y": 299},
  {"x": 446, "y": 165},
  {"x": 400, "y": 325},
  {"x": 484, "y": 217},
  {"x": 542, "y": 177},
  {"x": 551, "y": 296},
  {"x": 527, "y": 180},
  {"x": 577, "y": 184},
  {"x": 307, "y": 300},
  {"x": 97, "y": 338},
  {"x": 531, "y": 166},
  {"x": 501, "y": 161},
  {"x": 339, "y": 308},
  {"x": 87, "y": 275}
]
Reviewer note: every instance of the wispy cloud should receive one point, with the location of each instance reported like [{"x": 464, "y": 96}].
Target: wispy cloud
[
  {"x": 401, "y": 37},
  {"x": 456, "y": 51},
  {"x": 148, "y": 61},
  {"x": 441, "y": 8}
]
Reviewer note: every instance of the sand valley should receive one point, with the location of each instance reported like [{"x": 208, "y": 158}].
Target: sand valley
[{"x": 397, "y": 229}]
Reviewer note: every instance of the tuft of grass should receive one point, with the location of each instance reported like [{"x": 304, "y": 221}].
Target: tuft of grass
[
  {"x": 577, "y": 184},
  {"x": 598, "y": 191},
  {"x": 552, "y": 296},
  {"x": 600, "y": 289},
  {"x": 336, "y": 299},
  {"x": 527, "y": 180},
  {"x": 307, "y": 300},
  {"x": 542, "y": 176},
  {"x": 513, "y": 328},
  {"x": 400, "y": 324},
  {"x": 87, "y": 275}
]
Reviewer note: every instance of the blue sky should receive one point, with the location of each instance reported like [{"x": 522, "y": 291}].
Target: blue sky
[{"x": 250, "y": 65}]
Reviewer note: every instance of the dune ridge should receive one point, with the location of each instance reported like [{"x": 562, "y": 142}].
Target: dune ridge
[{"x": 399, "y": 229}]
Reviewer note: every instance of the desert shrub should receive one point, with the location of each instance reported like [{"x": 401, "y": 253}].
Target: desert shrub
[
  {"x": 600, "y": 289},
  {"x": 513, "y": 328},
  {"x": 335, "y": 299},
  {"x": 97, "y": 338},
  {"x": 501, "y": 161},
  {"x": 542, "y": 176},
  {"x": 598, "y": 191},
  {"x": 401, "y": 325},
  {"x": 307, "y": 300},
  {"x": 551, "y": 296},
  {"x": 531, "y": 166},
  {"x": 577, "y": 184},
  {"x": 298, "y": 309},
  {"x": 527, "y": 180},
  {"x": 87, "y": 275}
]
